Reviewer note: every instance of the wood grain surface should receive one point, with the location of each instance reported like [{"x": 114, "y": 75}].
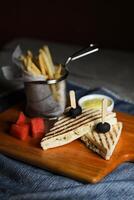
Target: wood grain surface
[{"x": 73, "y": 160}]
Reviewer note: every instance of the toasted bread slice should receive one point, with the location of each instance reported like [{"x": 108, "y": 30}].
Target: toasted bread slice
[
  {"x": 68, "y": 129},
  {"x": 103, "y": 144}
]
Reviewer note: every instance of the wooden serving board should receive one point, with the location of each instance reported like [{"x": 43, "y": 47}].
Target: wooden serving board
[{"x": 73, "y": 160}]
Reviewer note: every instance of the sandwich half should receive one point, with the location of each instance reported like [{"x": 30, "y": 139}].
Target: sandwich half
[
  {"x": 103, "y": 144},
  {"x": 68, "y": 129}
]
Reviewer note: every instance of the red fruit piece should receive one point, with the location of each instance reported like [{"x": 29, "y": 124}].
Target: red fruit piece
[
  {"x": 37, "y": 127},
  {"x": 21, "y": 119},
  {"x": 20, "y": 131}
]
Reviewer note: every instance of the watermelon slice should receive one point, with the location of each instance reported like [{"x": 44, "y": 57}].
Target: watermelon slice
[
  {"x": 21, "y": 119},
  {"x": 37, "y": 127},
  {"x": 20, "y": 131}
]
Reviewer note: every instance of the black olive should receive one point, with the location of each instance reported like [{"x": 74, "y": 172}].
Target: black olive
[
  {"x": 102, "y": 127},
  {"x": 74, "y": 112}
]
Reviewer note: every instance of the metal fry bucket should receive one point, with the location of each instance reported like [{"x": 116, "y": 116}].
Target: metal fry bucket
[{"x": 46, "y": 98}]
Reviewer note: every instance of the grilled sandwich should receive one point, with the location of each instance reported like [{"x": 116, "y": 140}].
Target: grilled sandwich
[
  {"x": 68, "y": 129},
  {"x": 103, "y": 144}
]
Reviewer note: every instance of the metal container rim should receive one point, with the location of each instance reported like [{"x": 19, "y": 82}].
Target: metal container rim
[{"x": 52, "y": 81}]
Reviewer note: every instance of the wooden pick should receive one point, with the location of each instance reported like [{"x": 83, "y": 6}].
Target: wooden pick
[
  {"x": 72, "y": 99},
  {"x": 104, "y": 109}
]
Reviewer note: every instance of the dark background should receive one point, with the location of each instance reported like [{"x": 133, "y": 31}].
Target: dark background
[{"x": 107, "y": 23}]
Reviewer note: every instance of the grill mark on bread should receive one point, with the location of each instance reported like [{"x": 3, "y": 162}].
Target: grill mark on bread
[
  {"x": 65, "y": 117},
  {"x": 108, "y": 139},
  {"x": 73, "y": 123},
  {"x": 84, "y": 111},
  {"x": 115, "y": 130},
  {"x": 95, "y": 136},
  {"x": 79, "y": 120},
  {"x": 97, "y": 139},
  {"x": 112, "y": 137},
  {"x": 76, "y": 125},
  {"x": 68, "y": 119},
  {"x": 53, "y": 134},
  {"x": 90, "y": 120},
  {"x": 104, "y": 140},
  {"x": 71, "y": 120}
]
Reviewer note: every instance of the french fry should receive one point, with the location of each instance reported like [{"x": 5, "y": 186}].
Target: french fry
[
  {"x": 23, "y": 59},
  {"x": 29, "y": 53},
  {"x": 47, "y": 63},
  {"x": 28, "y": 65},
  {"x": 35, "y": 69},
  {"x": 46, "y": 49},
  {"x": 31, "y": 67},
  {"x": 31, "y": 71},
  {"x": 57, "y": 74},
  {"x": 29, "y": 61},
  {"x": 35, "y": 61},
  {"x": 42, "y": 66},
  {"x": 54, "y": 92},
  {"x": 50, "y": 73}
]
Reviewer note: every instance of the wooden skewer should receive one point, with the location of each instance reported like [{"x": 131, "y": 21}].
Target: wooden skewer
[
  {"x": 104, "y": 109},
  {"x": 72, "y": 98}
]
